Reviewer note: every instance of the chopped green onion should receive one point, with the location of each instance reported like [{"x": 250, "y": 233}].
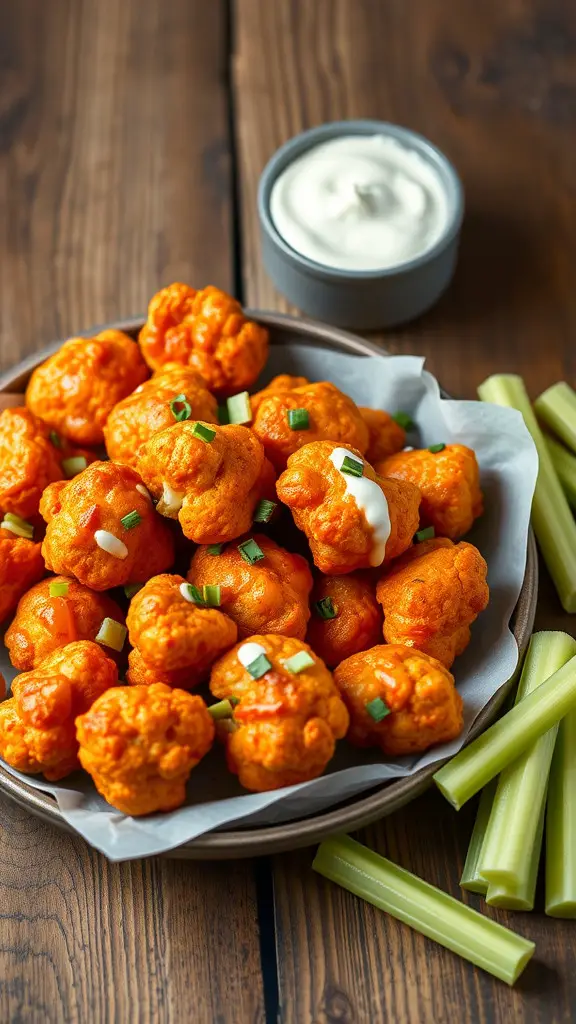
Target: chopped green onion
[
  {"x": 551, "y": 516},
  {"x": 298, "y": 419},
  {"x": 239, "y": 408},
  {"x": 326, "y": 608},
  {"x": 264, "y": 511},
  {"x": 74, "y": 465},
  {"x": 20, "y": 527},
  {"x": 299, "y": 662},
  {"x": 212, "y": 595},
  {"x": 403, "y": 420},
  {"x": 561, "y": 824},
  {"x": 180, "y": 408},
  {"x": 250, "y": 551},
  {"x": 58, "y": 589},
  {"x": 131, "y": 589},
  {"x": 191, "y": 593},
  {"x": 214, "y": 549},
  {"x": 520, "y": 896},
  {"x": 111, "y": 634},
  {"x": 234, "y": 701},
  {"x": 565, "y": 465},
  {"x": 55, "y": 439},
  {"x": 504, "y": 741},
  {"x": 259, "y": 667},
  {"x": 131, "y": 519},
  {"x": 426, "y": 534},
  {"x": 426, "y": 909},
  {"x": 436, "y": 448},
  {"x": 223, "y": 709},
  {"x": 352, "y": 466},
  {"x": 556, "y": 407},
  {"x": 377, "y": 709},
  {"x": 204, "y": 433},
  {"x": 223, "y": 417},
  {"x": 471, "y": 878}
]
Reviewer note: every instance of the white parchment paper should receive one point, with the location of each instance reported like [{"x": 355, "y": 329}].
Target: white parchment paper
[{"x": 509, "y": 466}]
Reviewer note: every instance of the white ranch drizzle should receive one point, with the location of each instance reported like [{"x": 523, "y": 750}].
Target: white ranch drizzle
[
  {"x": 248, "y": 653},
  {"x": 370, "y": 499},
  {"x": 111, "y": 544},
  {"x": 185, "y": 591},
  {"x": 144, "y": 491},
  {"x": 171, "y": 500}
]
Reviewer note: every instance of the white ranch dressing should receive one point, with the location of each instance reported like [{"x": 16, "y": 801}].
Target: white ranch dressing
[
  {"x": 248, "y": 653},
  {"x": 143, "y": 491},
  {"x": 360, "y": 202},
  {"x": 111, "y": 544},
  {"x": 171, "y": 501},
  {"x": 370, "y": 499}
]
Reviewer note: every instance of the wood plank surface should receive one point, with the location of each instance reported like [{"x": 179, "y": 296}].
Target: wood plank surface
[
  {"x": 114, "y": 180},
  {"x": 494, "y": 85}
]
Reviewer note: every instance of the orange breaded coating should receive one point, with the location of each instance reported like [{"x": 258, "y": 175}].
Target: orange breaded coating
[
  {"x": 140, "y": 743},
  {"x": 450, "y": 484},
  {"x": 386, "y": 436},
  {"x": 432, "y": 595},
  {"x": 332, "y": 416},
  {"x": 283, "y": 382},
  {"x": 28, "y": 462},
  {"x": 75, "y": 389},
  {"x": 85, "y": 537},
  {"x": 357, "y": 624},
  {"x": 270, "y": 596},
  {"x": 37, "y": 732},
  {"x": 21, "y": 565},
  {"x": 205, "y": 329},
  {"x": 147, "y": 410},
  {"x": 174, "y": 636},
  {"x": 211, "y": 486},
  {"x": 43, "y": 624},
  {"x": 325, "y": 508},
  {"x": 424, "y": 707},
  {"x": 285, "y": 724}
]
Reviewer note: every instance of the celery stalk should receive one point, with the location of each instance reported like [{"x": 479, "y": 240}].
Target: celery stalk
[
  {"x": 551, "y": 516},
  {"x": 429, "y": 910},
  {"x": 471, "y": 878},
  {"x": 556, "y": 407},
  {"x": 520, "y": 897},
  {"x": 504, "y": 741},
  {"x": 561, "y": 824},
  {"x": 565, "y": 466},
  {"x": 512, "y": 830}
]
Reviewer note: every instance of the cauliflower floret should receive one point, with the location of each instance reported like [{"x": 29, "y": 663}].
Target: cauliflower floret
[
  {"x": 357, "y": 621},
  {"x": 386, "y": 436},
  {"x": 28, "y": 462},
  {"x": 21, "y": 565}
]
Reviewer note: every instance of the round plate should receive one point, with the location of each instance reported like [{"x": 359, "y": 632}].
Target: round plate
[{"x": 361, "y": 810}]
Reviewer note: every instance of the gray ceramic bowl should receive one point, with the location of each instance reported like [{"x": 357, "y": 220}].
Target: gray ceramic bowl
[{"x": 368, "y": 299}]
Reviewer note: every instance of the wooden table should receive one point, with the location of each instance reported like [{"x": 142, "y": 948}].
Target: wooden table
[{"x": 132, "y": 134}]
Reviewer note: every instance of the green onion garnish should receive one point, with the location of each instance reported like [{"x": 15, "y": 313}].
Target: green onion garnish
[
  {"x": 131, "y": 519},
  {"x": 239, "y": 408},
  {"x": 426, "y": 534},
  {"x": 435, "y": 448},
  {"x": 223, "y": 417},
  {"x": 211, "y": 595},
  {"x": 403, "y": 420},
  {"x": 250, "y": 551},
  {"x": 234, "y": 701},
  {"x": 191, "y": 593},
  {"x": 223, "y": 709},
  {"x": 55, "y": 439},
  {"x": 111, "y": 634},
  {"x": 326, "y": 608},
  {"x": 352, "y": 466},
  {"x": 58, "y": 589},
  {"x": 259, "y": 667},
  {"x": 214, "y": 549},
  {"x": 264, "y": 511},
  {"x": 131, "y": 589},
  {"x": 74, "y": 465},
  {"x": 18, "y": 526},
  {"x": 299, "y": 662},
  {"x": 377, "y": 709},
  {"x": 180, "y": 408},
  {"x": 298, "y": 419},
  {"x": 203, "y": 432}
]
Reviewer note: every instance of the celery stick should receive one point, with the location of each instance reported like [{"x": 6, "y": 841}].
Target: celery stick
[
  {"x": 551, "y": 516},
  {"x": 511, "y": 833},
  {"x": 504, "y": 741},
  {"x": 561, "y": 824},
  {"x": 556, "y": 407},
  {"x": 520, "y": 897},
  {"x": 471, "y": 878},
  {"x": 429, "y": 910},
  {"x": 565, "y": 466}
]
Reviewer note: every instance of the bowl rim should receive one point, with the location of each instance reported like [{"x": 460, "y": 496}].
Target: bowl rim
[{"x": 384, "y": 798}]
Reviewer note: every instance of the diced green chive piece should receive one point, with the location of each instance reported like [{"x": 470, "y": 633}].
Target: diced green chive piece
[
  {"x": 180, "y": 408},
  {"x": 131, "y": 519},
  {"x": 264, "y": 511},
  {"x": 194, "y": 594},
  {"x": 403, "y": 420},
  {"x": 214, "y": 549},
  {"x": 299, "y": 662},
  {"x": 352, "y": 466},
  {"x": 58, "y": 589},
  {"x": 55, "y": 439},
  {"x": 223, "y": 417},
  {"x": 111, "y": 634},
  {"x": 377, "y": 709},
  {"x": 426, "y": 534},
  {"x": 131, "y": 589},
  {"x": 203, "y": 432},
  {"x": 234, "y": 701},
  {"x": 74, "y": 465},
  {"x": 435, "y": 448},
  {"x": 250, "y": 551},
  {"x": 298, "y": 419},
  {"x": 20, "y": 527},
  {"x": 212, "y": 595},
  {"x": 326, "y": 608},
  {"x": 239, "y": 408},
  {"x": 259, "y": 667},
  {"x": 223, "y": 709}
]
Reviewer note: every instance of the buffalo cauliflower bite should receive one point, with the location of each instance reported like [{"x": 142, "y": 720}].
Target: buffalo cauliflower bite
[
  {"x": 283, "y": 382},
  {"x": 173, "y": 636},
  {"x": 152, "y": 407},
  {"x": 346, "y": 517},
  {"x": 269, "y": 596},
  {"x": 210, "y": 478},
  {"x": 21, "y": 565},
  {"x": 86, "y": 537},
  {"x": 43, "y": 624},
  {"x": 332, "y": 416},
  {"x": 140, "y": 743},
  {"x": 399, "y": 699},
  {"x": 77, "y": 387},
  {"x": 207, "y": 330},
  {"x": 29, "y": 461},
  {"x": 432, "y": 595},
  {"x": 286, "y": 723},
  {"x": 37, "y": 731},
  {"x": 356, "y": 621},
  {"x": 449, "y": 481},
  {"x": 386, "y": 436}
]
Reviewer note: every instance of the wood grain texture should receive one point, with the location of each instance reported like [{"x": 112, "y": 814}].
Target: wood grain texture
[
  {"x": 494, "y": 85},
  {"x": 114, "y": 180}
]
